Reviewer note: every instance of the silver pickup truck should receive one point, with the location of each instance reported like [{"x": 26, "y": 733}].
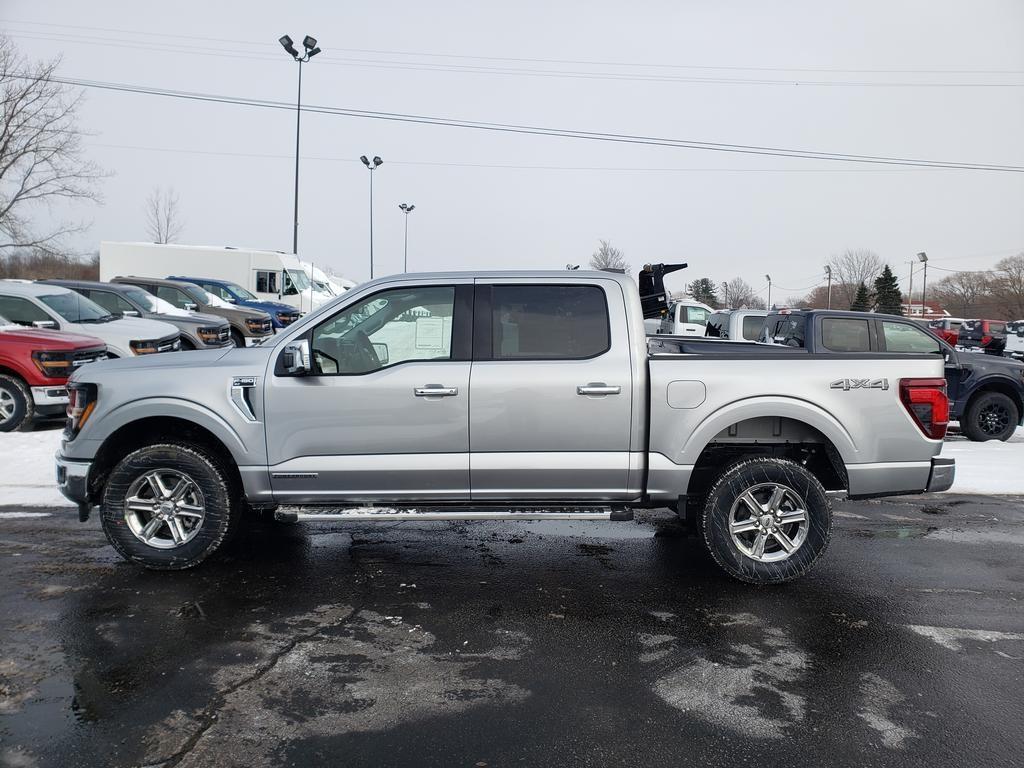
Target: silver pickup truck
[{"x": 504, "y": 395}]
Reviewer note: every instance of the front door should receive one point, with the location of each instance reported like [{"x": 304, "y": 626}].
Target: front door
[
  {"x": 551, "y": 391},
  {"x": 383, "y": 416}
]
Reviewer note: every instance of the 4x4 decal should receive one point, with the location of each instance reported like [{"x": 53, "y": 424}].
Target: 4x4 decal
[{"x": 847, "y": 384}]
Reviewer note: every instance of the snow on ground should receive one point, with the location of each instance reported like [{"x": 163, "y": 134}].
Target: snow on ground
[{"x": 27, "y": 469}]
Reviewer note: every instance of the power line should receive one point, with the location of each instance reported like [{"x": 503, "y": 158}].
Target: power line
[
  {"x": 480, "y": 69},
  {"x": 543, "y": 131},
  {"x": 583, "y": 62}
]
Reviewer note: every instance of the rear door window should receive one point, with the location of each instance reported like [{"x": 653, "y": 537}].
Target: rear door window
[
  {"x": 548, "y": 322},
  {"x": 787, "y": 330},
  {"x": 752, "y": 325},
  {"x": 845, "y": 334},
  {"x": 901, "y": 337},
  {"x": 718, "y": 325}
]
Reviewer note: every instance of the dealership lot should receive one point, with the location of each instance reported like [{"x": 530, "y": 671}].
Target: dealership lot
[{"x": 527, "y": 643}]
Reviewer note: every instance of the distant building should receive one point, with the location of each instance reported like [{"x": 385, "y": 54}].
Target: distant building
[{"x": 925, "y": 312}]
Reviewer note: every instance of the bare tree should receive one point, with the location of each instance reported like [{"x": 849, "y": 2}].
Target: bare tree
[
  {"x": 163, "y": 219},
  {"x": 738, "y": 294},
  {"x": 851, "y": 268},
  {"x": 608, "y": 256},
  {"x": 962, "y": 291},
  {"x": 1007, "y": 286},
  {"x": 41, "y": 157}
]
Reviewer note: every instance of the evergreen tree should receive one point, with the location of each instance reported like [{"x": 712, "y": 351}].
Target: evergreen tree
[
  {"x": 862, "y": 301},
  {"x": 703, "y": 290},
  {"x": 888, "y": 296}
]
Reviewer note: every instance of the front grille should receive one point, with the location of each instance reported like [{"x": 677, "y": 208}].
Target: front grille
[
  {"x": 169, "y": 345},
  {"x": 224, "y": 334},
  {"x": 266, "y": 326},
  {"x": 84, "y": 356}
]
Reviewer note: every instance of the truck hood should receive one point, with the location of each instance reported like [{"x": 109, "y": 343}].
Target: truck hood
[
  {"x": 176, "y": 360},
  {"x": 236, "y": 312},
  {"x": 138, "y": 328},
  {"x": 991, "y": 364},
  {"x": 197, "y": 320},
  {"x": 45, "y": 338},
  {"x": 270, "y": 307}
]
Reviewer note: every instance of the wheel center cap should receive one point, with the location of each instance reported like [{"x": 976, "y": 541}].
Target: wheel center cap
[
  {"x": 167, "y": 508},
  {"x": 767, "y": 521}
]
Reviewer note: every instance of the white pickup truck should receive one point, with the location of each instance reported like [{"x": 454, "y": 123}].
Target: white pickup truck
[{"x": 499, "y": 395}]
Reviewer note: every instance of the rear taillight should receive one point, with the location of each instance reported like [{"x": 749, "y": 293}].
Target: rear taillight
[
  {"x": 926, "y": 402},
  {"x": 985, "y": 340}
]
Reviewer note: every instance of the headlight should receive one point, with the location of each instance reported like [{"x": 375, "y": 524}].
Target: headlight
[
  {"x": 209, "y": 335},
  {"x": 81, "y": 403},
  {"x": 143, "y": 347},
  {"x": 55, "y": 365},
  {"x": 256, "y": 325}
]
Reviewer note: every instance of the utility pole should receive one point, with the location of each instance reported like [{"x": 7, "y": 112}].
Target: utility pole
[
  {"x": 725, "y": 294},
  {"x": 923, "y": 257},
  {"x": 828, "y": 274},
  {"x": 311, "y": 50},
  {"x": 371, "y": 167},
  {"x": 407, "y": 208}
]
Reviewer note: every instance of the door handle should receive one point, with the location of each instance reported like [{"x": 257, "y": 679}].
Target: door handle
[
  {"x": 433, "y": 390},
  {"x": 597, "y": 388}
]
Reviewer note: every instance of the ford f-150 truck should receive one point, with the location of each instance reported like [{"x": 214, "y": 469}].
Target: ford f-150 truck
[{"x": 510, "y": 395}]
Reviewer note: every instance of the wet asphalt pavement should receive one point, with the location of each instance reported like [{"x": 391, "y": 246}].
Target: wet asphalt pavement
[{"x": 450, "y": 644}]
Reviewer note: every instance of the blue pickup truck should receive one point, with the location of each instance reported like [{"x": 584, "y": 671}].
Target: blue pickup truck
[
  {"x": 986, "y": 393},
  {"x": 281, "y": 315}
]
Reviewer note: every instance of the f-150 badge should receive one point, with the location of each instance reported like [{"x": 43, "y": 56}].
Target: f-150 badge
[{"x": 847, "y": 384}]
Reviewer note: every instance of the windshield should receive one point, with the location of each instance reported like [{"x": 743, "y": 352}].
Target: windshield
[
  {"x": 239, "y": 292},
  {"x": 75, "y": 308},
  {"x": 152, "y": 303},
  {"x": 299, "y": 279}
]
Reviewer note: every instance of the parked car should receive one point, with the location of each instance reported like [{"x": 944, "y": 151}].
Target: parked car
[
  {"x": 249, "y": 327},
  {"x": 34, "y": 368},
  {"x": 1014, "y": 340},
  {"x": 986, "y": 393},
  {"x": 736, "y": 324},
  {"x": 685, "y": 317},
  {"x": 57, "y": 308},
  {"x": 198, "y": 331},
  {"x": 988, "y": 336},
  {"x": 542, "y": 382},
  {"x": 947, "y": 329},
  {"x": 281, "y": 315}
]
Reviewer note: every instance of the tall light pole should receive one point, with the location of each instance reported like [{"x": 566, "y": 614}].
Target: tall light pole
[
  {"x": 371, "y": 166},
  {"x": 910, "y": 290},
  {"x": 769, "y": 279},
  {"x": 828, "y": 274},
  {"x": 311, "y": 50},
  {"x": 923, "y": 258},
  {"x": 407, "y": 208}
]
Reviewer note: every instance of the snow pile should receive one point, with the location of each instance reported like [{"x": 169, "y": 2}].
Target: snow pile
[{"x": 27, "y": 473}]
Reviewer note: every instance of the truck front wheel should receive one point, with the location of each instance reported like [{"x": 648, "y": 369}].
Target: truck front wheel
[
  {"x": 15, "y": 404},
  {"x": 766, "y": 521},
  {"x": 168, "y": 506}
]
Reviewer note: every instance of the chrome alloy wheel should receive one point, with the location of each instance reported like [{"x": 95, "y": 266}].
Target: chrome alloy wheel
[
  {"x": 768, "y": 522},
  {"x": 164, "y": 508},
  {"x": 7, "y": 405}
]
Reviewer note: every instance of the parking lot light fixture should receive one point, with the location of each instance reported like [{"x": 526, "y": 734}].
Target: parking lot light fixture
[
  {"x": 371, "y": 166},
  {"x": 309, "y": 43},
  {"x": 923, "y": 258},
  {"x": 406, "y": 208},
  {"x": 769, "y": 279}
]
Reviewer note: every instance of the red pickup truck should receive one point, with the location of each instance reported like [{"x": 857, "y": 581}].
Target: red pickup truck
[{"x": 34, "y": 367}]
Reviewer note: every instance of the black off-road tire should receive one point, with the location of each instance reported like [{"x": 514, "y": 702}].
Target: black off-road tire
[
  {"x": 20, "y": 396},
  {"x": 977, "y": 423},
  {"x": 238, "y": 338},
  {"x": 222, "y": 507},
  {"x": 186, "y": 344},
  {"x": 734, "y": 482}
]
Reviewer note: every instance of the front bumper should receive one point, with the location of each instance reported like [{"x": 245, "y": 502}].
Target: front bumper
[
  {"x": 73, "y": 483},
  {"x": 942, "y": 475},
  {"x": 57, "y": 395}
]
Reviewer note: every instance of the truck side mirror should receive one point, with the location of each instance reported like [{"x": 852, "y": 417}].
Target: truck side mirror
[
  {"x": 129, "y": 313},
  {"x": 48, "y": 325},
  {"x": 295, "y": 358},
  {"x": 190, "y": 306}
]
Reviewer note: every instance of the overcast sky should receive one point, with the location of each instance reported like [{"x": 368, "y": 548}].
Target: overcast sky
[{"x": 499, "y": 200}]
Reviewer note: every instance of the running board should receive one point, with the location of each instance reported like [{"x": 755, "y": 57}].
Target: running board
[{"x": 361, "y": 514}]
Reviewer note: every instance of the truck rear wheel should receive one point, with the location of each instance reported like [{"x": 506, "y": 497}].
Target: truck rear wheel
[
  {"x": 15, "y": 404},
  {"x": 766, "y": 521},
  {"x": 990, "y": 416},
  {"x": 168, "y": 507}
]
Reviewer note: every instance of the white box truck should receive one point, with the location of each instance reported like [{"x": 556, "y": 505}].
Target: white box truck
[{"x": 269, "y": 275}]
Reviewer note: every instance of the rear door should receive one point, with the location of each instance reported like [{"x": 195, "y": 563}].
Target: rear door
[{"x": 550, "y": 391}]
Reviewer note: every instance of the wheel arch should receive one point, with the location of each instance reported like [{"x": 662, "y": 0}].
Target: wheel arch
[
  {"x": 151, "y": 430},
  {"x": 1001, "y": 385}
]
